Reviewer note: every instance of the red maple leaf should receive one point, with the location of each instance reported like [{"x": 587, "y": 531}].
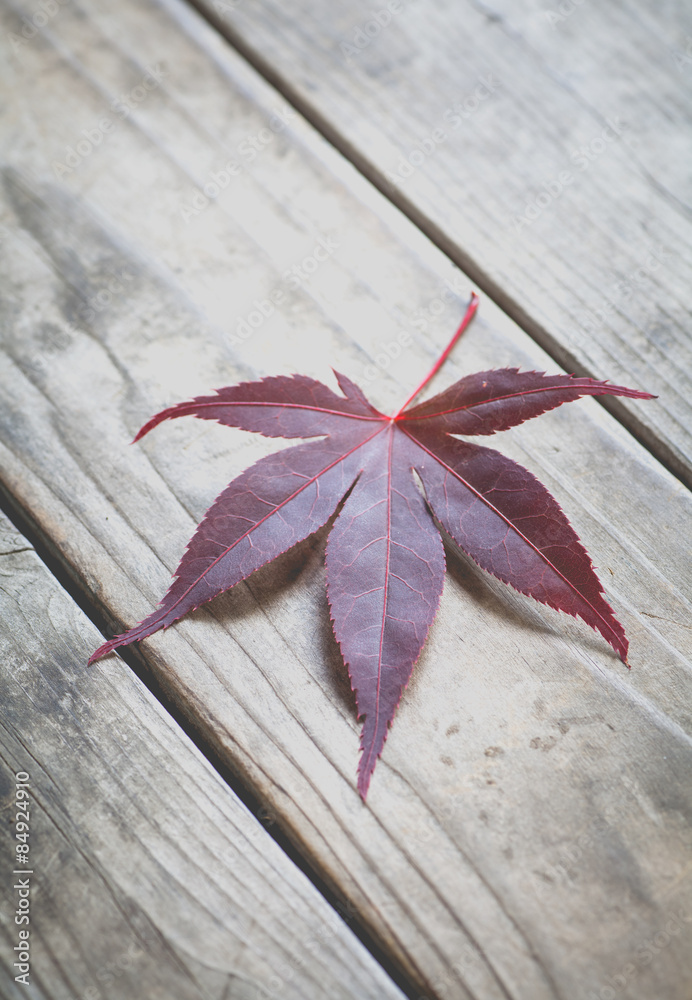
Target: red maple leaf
[{"x": 385, "y": 560}]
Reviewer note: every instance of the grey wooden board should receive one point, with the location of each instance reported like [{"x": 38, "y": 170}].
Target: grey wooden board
[
  {"x": 527, "y": 829},
  {"x": 490, "y": 113},
  {"x": 150, "y": 878}
]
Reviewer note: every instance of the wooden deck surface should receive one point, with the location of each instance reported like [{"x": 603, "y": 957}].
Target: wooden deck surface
[{"x": 528, "y": 834}]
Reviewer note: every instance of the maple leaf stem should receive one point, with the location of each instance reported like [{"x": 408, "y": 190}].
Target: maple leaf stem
[{"x": 468, "y": 316}]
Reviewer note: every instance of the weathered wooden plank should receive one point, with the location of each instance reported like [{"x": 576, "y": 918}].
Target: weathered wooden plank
[
  {"x": 513, "y": 838},
  {"x": 148, "y": 877},
  {"x": 544, "y": 148}
]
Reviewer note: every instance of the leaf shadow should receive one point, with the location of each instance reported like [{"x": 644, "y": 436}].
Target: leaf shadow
[
  {"x": 291, "y": 589},
  {"x": 488, "y": 593},
  {"x": 502, "y": 602}
]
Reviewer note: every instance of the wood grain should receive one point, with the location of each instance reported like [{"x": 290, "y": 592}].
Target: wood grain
[
  {"x": 527, "y": 829},
  {"x": 545, "y": 147},
  {"x": 149, "y": 877}
]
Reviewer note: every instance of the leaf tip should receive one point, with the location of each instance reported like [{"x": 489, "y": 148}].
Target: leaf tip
[
  {"x": 364, "y": 776},
  {"x": 150, "y": 424},
  {"x": 102, "y": 651},
  {"x": 622, "y": 646}
]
